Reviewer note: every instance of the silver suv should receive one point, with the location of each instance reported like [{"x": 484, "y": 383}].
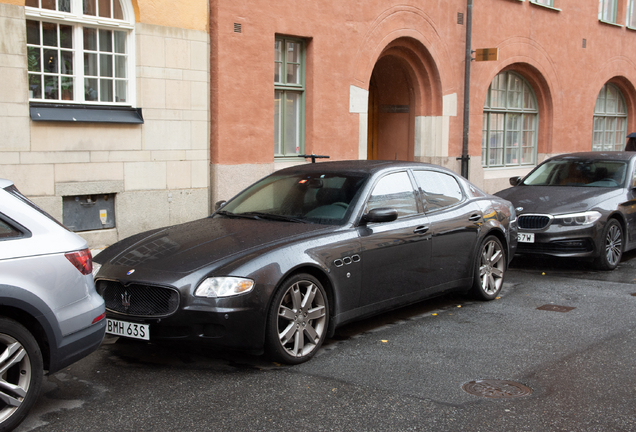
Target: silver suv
[{"x": 50, "y": 314}]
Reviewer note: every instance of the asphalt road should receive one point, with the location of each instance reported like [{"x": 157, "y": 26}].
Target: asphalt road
[{"x": 401, "y": 371}]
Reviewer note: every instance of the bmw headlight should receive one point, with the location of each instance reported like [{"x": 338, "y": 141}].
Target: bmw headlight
[
  {"x": 224, "y": 287},
  {"x": 577, "y": 219}
]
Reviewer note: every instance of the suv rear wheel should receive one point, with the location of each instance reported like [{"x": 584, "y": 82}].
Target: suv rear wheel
[{"x": 20, "y": 373}]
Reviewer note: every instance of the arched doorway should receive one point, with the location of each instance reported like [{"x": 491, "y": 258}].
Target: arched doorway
[
  {"x": 391, "y": 119},
  {"x": 404, "y": 89}
]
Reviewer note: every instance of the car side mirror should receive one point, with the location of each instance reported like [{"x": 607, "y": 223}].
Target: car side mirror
[
  {"x": 380, "y": 215},
  {"x": 514, "y": 181},
  {"x": 219, "y": 204}
]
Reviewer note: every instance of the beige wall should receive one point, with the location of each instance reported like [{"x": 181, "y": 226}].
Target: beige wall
[
  {"x": 159, "y": 170},
  {"x": 184, "y": 14}
]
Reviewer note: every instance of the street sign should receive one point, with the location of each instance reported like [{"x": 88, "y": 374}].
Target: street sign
[{"x": 487, "y": 54}]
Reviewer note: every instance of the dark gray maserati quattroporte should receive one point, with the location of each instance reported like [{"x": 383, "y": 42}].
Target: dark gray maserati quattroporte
[{"x": 305, "y": 250}]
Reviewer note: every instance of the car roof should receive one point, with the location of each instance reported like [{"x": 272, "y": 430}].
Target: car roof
[
  {"x": 356, "y": 166},
  {"x": 594, "y": 155},
  {"x": 5, "y": 183}
]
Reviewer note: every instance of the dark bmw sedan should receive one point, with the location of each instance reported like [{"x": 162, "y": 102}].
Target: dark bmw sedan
[
  {"x": 305, "y": 250},
  {"x": 578, "y": 205}
]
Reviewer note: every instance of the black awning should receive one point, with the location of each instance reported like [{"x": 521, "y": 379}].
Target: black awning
[{"x": 84, "y": 113}]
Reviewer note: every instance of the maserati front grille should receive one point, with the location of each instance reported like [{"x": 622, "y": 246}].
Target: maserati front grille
[{"x": 138, "y": 300}]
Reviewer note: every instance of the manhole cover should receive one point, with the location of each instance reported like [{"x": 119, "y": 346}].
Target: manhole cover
[
  {"x": 555, "y": 308},
  {"x": 496, "y": 389}
]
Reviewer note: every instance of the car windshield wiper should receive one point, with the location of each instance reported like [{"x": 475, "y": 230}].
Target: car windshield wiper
[
  {"x": 236, "y": 215},
  {"x": 270, "y": 216}
]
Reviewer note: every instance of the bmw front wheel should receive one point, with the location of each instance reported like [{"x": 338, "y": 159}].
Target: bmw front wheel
[
  {"x": 612, "y": 249},
  {"x": 20, "y": 373},
  {"x": 298, "y": 319},
  {"x": 490, "y": 267}
]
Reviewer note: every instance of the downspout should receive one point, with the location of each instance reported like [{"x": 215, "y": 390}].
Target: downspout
[{"x": 469, "y": 30}]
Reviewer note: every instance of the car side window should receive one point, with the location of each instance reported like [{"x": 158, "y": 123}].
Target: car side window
[
  {"x": 8, "y": 232},
  {"x": 438, "y": 190},
  {"x": 394, "y": 191}
]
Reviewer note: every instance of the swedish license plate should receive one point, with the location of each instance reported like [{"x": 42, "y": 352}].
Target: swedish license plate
[
  {"x": 525, "y": 237},
  {"x": 127, "y": 329}
]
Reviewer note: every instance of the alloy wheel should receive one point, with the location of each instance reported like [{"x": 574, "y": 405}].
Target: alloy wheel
[
  {"x": 492, "y": 267},
  {"x": 614, "y": 245},
  {"x": 302, "y": 318},
  {"x": 15, "y": 376}
]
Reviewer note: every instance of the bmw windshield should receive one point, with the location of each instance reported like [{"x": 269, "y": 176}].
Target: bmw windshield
[{"x": 578, "y": 172}]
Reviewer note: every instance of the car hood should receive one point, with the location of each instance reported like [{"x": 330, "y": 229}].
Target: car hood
[
  {"x": 556, "y": 199},
  {"x": 187, "y": 247}
]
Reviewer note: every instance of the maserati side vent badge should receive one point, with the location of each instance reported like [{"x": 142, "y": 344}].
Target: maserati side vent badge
[{"x": 130, "y": 272}]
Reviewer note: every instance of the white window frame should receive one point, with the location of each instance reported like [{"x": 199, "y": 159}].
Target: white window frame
[
  {"x": 549, "y": 3},
  {"x": 78, "y": 21},
  {"x": 491, "y": 111},
  {"x": 602, "y": 119},
  {"x": 603, "y": 12},
  {"x": 630, "y": 21},
  {"x": 285, "y": 88}
]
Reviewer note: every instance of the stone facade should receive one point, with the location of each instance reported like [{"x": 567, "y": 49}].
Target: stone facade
[
  {"x": 158, "y": 171},
  {"x": 382, "y": 79}
]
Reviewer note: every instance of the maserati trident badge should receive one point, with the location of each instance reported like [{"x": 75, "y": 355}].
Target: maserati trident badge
[
  {"x": 130, "y": 272},
  {"x": 125, "y": 300}
]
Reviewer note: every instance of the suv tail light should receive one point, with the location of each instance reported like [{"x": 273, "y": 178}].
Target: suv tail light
[{"x": 82, "y": 260}]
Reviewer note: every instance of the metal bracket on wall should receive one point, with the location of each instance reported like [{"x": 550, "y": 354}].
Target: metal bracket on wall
[{"x": 313, "y": 157}]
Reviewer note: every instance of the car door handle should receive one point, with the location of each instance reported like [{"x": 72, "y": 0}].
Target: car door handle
[
  {"x": 475, "y": 217},
  {"x": 420, "y": 229}
]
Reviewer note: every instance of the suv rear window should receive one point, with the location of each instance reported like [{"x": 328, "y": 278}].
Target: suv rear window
[
  {"x": 16, "y": 193},
  {"x": 7, "y": 231}
]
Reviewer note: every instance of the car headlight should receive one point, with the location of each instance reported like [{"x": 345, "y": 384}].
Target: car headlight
[
  {"x": 224, "y": 287},
  {"x": 577, "y": 219}
]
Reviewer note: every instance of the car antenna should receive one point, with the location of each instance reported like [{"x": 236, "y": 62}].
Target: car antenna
[{"x": 314, "y": 157}]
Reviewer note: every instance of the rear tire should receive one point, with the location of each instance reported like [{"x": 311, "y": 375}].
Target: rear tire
[
  {"x": 298, "y": 320},
  {"x": 21, "y": 373},
  {"x": 612, "y": 250},
  {"x": 490, "y": 267}
]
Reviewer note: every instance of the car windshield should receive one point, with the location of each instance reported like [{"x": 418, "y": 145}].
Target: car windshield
[
  {"x": 322, "y": 198},
  {"x": 577, "y": 172}
]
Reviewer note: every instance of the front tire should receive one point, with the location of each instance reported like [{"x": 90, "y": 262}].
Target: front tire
[
  {"x": 298, "y": 320},
  {"x": 490, "y": 267},
  {"x": 20, "y": 373},
  {"x": 612, "y": 250}
]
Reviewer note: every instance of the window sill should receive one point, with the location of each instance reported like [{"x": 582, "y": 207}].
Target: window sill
[
  {"x": 610, "y": 23},
  {"x": 630, "y": 28},
  {"x": 503, "y": 172},
  {"x": 545, "y": 6},
  {"x": 56, "y": 112}
]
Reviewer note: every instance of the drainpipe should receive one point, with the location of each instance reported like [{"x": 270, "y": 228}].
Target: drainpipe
[{"x": 469, "y": 30}]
